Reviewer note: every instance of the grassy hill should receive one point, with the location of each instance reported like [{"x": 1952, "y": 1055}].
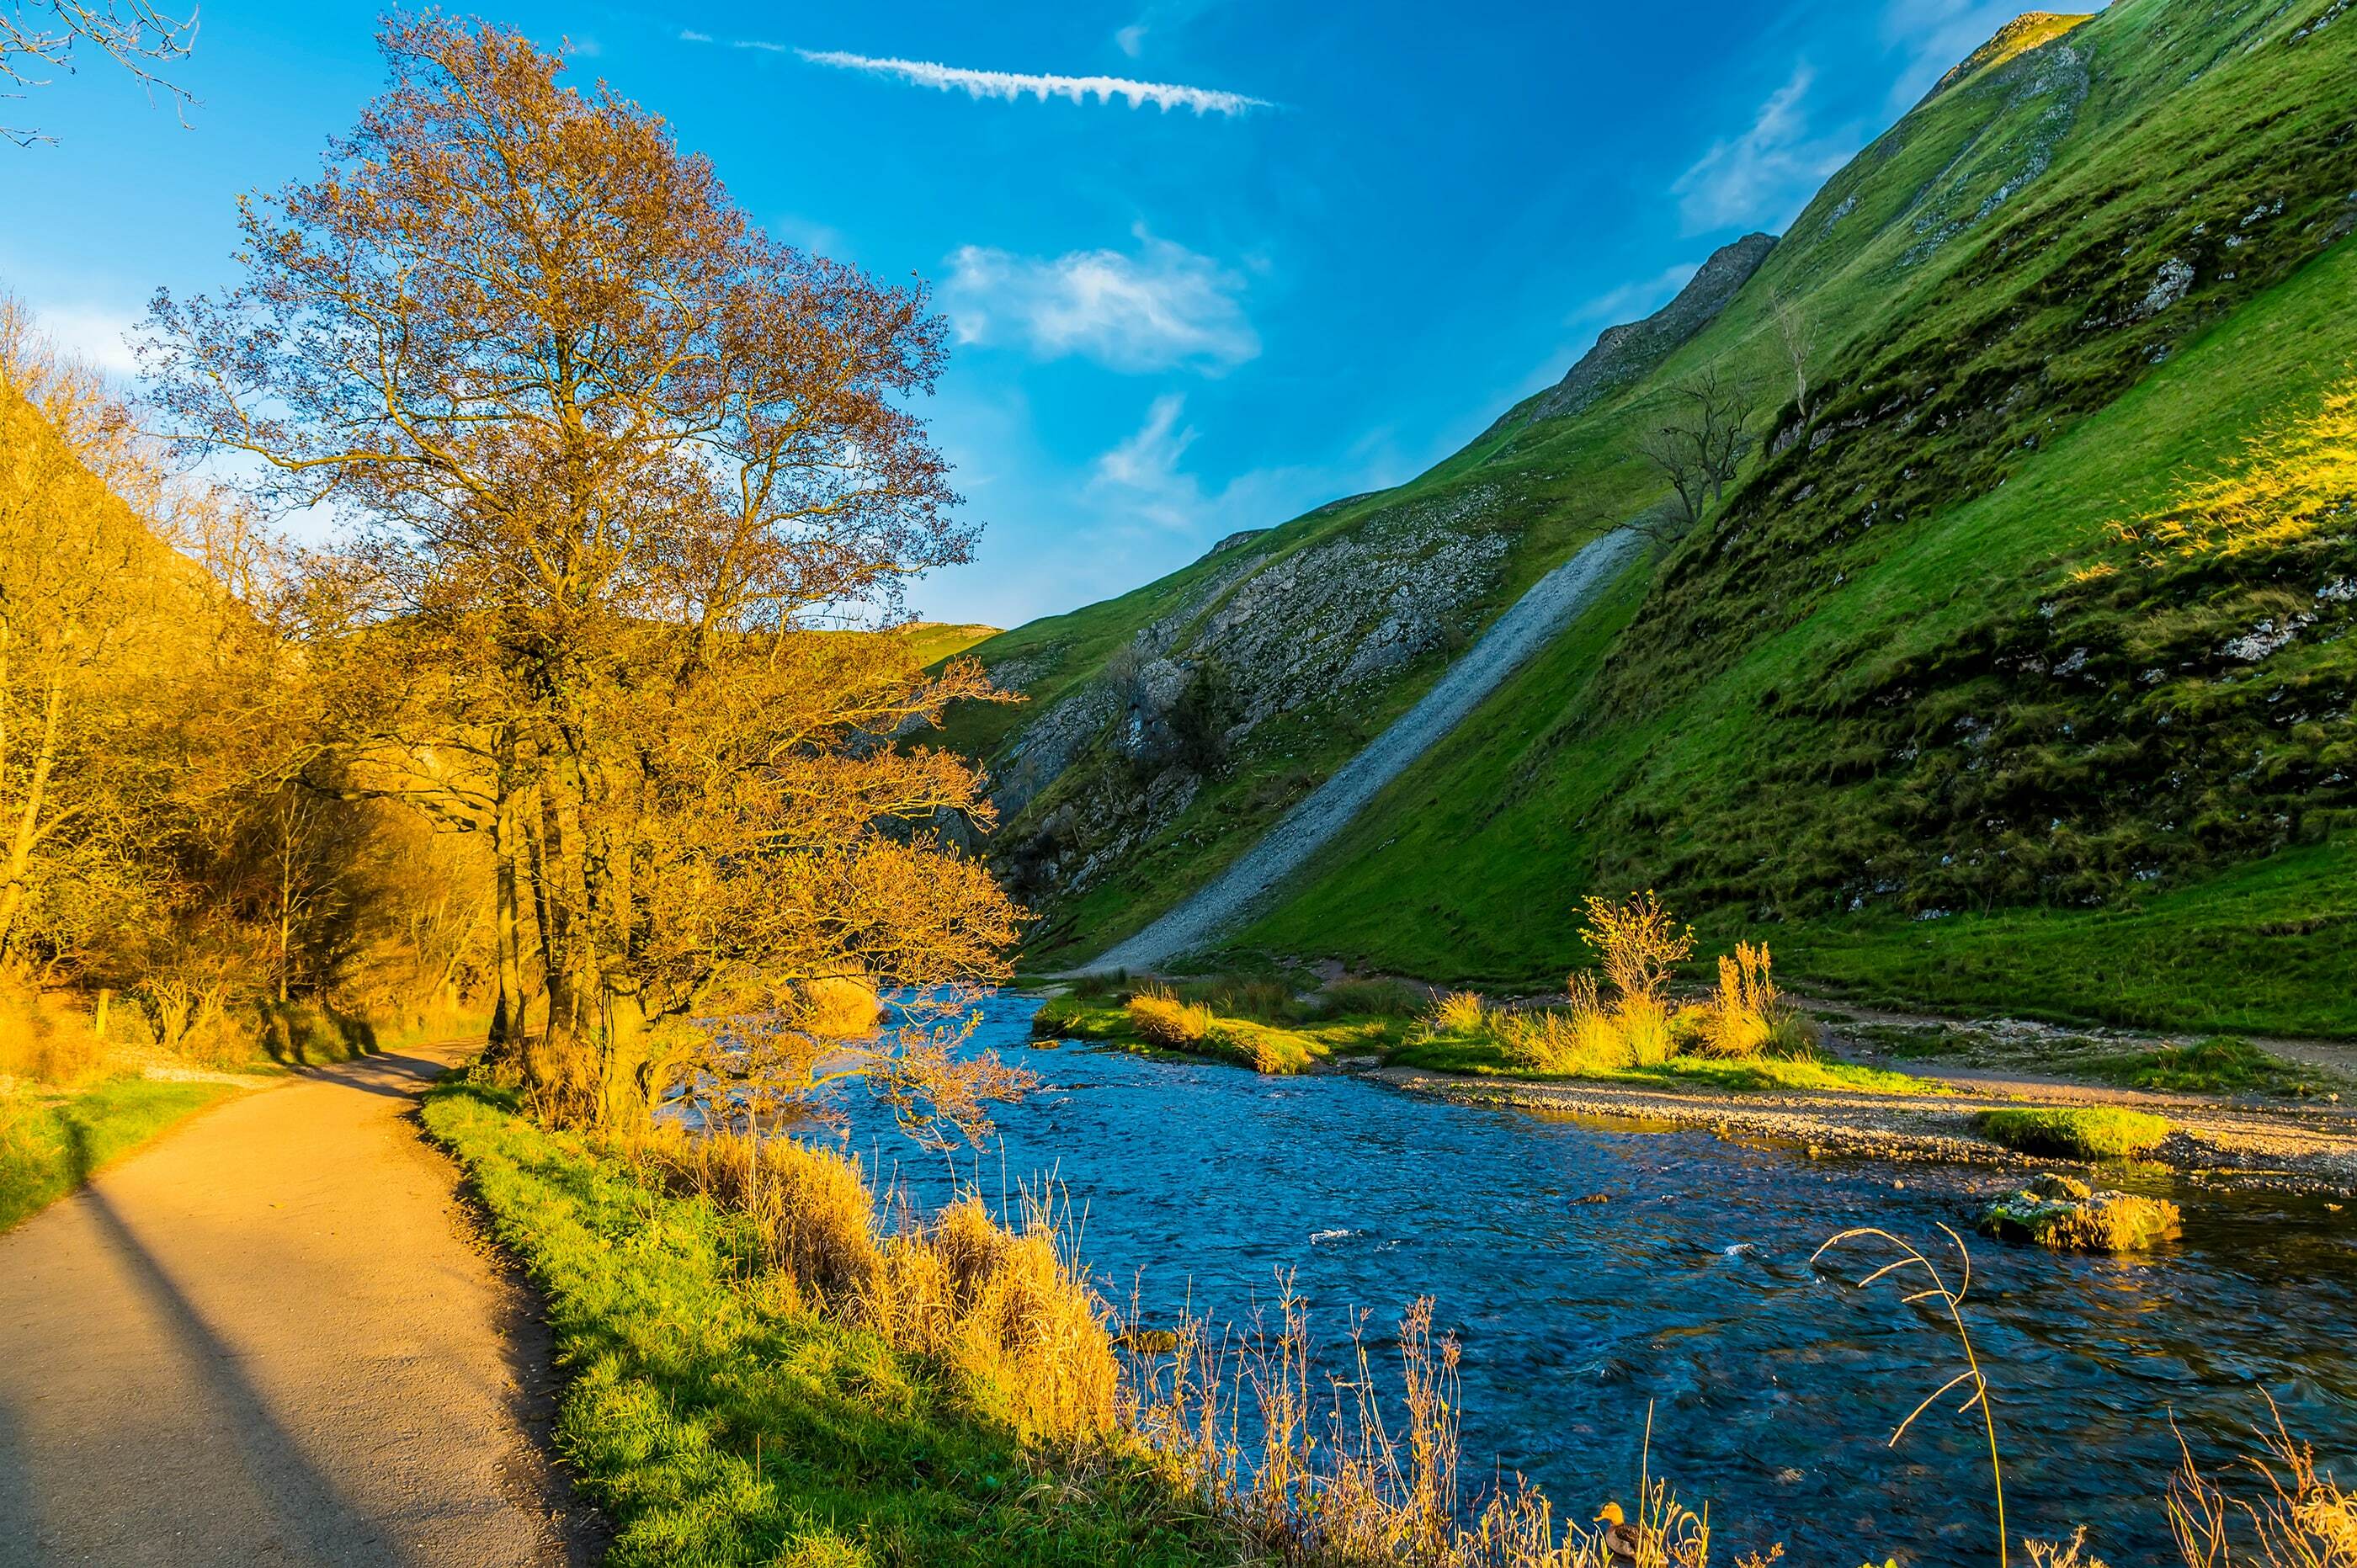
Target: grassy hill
[{"x": 1899, "y": 689}]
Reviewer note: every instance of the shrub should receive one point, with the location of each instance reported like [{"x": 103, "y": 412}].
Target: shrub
[
  {"x": 1637, "y": 944},
  {"x": 837, "y": 1007},
  {"x": 47, "y": 1038},
  {"x": 1457, "y": 1012},
  {"x": 2076, "y": 1133},
  {"x": 1161, "y": 1019}
]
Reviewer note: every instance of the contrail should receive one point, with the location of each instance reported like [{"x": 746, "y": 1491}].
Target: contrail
[{"x": 1011, "y": 85}]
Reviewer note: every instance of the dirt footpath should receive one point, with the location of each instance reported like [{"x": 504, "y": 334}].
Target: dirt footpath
[{"x": 272, "y": 1339}]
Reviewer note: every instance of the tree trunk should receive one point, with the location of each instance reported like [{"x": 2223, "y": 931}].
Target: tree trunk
[{"x": 508, "y": 1023}]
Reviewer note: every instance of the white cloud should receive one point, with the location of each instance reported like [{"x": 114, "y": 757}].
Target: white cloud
[
  {"x": 1149, "y": 310},
  {"x": 94, "y": 337},
  {"x": 1143, "y": 472},
  {"x": 1131, "y": 38},
  {"x": 690, "y": 36},
  {"x": 1012, "y": 85},
  {"x": 1766, "y": 173}
]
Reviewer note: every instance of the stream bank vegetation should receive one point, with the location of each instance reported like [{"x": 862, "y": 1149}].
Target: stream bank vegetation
[
  {"x": 1622, "y": 1020},
  {"x": 774, "y": 1361}
]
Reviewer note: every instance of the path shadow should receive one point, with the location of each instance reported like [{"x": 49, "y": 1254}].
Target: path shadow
[
  {"x": 307, "y": 1510},
  {"x": 535, "y": 1388},
  {"x": 394, "y": 1075}
]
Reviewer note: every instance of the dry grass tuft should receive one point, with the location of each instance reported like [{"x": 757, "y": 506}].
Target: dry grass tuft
[
  {"x": 1161, "y": 1019},
  {"x": 1743, "y": 1013},
  {"x": 1457, "y": 1012},
  {"x": 1008, "y": 1311},
  {"x": 2291, "y": 1515}
]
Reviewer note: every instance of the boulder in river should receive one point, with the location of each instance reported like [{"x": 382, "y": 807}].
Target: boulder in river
[{"x": 2067, "y": 1215}]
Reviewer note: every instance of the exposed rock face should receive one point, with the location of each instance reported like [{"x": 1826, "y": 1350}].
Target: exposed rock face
[
  {"x": 1111, "y": 765},
  {"x": 1315, "y": 624},
  {"x": 1624, "y": 354}
]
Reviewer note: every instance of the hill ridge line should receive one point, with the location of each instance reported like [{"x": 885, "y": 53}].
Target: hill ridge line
[{"x": 1220, "y": 906}]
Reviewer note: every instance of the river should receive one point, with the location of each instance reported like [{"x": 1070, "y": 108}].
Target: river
[{"x": 1773, "y": 1385}]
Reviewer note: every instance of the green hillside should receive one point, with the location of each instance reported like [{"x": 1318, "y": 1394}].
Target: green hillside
[{"x": 2072, "y": 281}]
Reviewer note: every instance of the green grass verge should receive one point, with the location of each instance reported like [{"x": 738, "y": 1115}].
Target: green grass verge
[
  {"x": 2101, "y": 1133},
  {"x": 1285, "y": 1046},
  {"x": 2222, "y": 1066},
  {"x": 49, "y": 1150},
  {"x": 1482, "y": 1057},
  {"x": 718, "y": 1422}
]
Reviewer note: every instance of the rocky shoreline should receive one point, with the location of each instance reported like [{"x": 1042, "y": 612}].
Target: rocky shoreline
[{"x": 2216, "y": 1144}]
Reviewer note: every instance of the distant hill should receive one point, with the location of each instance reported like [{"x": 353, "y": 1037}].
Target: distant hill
[
  {"x": 2013, "y": 668},
  {"x": 935, "y": 641}
]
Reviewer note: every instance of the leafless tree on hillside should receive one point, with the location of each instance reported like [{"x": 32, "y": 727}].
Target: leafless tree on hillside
[
  {"x": 1797, "y": 331},
  {"x": 1699, "y": 446},
  {"x": 39, "y": 37}
]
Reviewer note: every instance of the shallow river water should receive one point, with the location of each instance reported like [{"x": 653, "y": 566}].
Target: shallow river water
[{"x": 1774, "y": 1386}]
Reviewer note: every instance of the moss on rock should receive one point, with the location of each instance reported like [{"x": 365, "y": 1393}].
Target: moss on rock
[{"x": 2067, "y": 1215}]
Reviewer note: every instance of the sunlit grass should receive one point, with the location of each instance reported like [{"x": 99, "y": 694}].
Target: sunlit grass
[
  {"x": 51, "y": 1144},
  {"x": 2076, "y": 1133}
]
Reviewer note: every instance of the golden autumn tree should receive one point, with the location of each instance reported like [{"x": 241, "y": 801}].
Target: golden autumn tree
[
  {"x": 88, "y": 601},
  {"x": 607, "y": 454}
]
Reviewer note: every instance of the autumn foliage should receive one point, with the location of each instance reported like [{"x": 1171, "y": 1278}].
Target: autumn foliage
[{"x": 565, "y": 698}]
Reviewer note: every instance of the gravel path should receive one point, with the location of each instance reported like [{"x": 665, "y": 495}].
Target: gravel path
[
  {"x": 1219, "y": 907},
  {"x": 272, "y": 1339}
]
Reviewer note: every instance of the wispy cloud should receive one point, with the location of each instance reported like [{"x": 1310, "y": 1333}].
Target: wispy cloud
[
  {"x": 1765, "y": 174},
  {"x": 1144, "y": 471},
  {"x": 1012, "y": 85},
  {"x": 690, "y": 36},
  {"x": 1161, "y": 305},
  {"x": 98, "y": 338},
  {"x": 1636, "y": 300}
]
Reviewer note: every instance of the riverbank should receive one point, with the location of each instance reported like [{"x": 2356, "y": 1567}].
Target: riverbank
[
  {"x": 1853, "y": 1084},
  {"x": 721, "y": 1410},
  {"x": 2213, "y": 1140}
]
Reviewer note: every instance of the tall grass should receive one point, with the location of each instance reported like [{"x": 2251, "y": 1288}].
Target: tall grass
[
  {"x": 1008, "y": 1310},
  {"x": 1634, "y": 1024}
]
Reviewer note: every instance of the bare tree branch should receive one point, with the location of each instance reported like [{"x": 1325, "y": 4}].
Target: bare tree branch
[{"x": 41, "y": 37}]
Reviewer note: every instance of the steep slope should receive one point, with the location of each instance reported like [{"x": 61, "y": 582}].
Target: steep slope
[
  {"x": 1214, "y": 911},
  {"x": 1990, "y": 258},
  {"x": 2047, "y": 612}
]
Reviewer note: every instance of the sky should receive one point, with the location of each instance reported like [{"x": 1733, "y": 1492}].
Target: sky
[{"x": 1207, "y": 264}]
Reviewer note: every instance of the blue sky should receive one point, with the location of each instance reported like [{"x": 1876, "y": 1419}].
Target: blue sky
[{"x": 1326, "y": 249}]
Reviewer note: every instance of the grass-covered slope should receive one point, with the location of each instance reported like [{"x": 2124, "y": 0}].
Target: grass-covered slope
[
  {"x": 1750, "y": 721},
  {"x": 2019, "y": 679}
]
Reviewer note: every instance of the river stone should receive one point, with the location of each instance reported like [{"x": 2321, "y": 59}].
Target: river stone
[{"x": 2067, "y": 1215}]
